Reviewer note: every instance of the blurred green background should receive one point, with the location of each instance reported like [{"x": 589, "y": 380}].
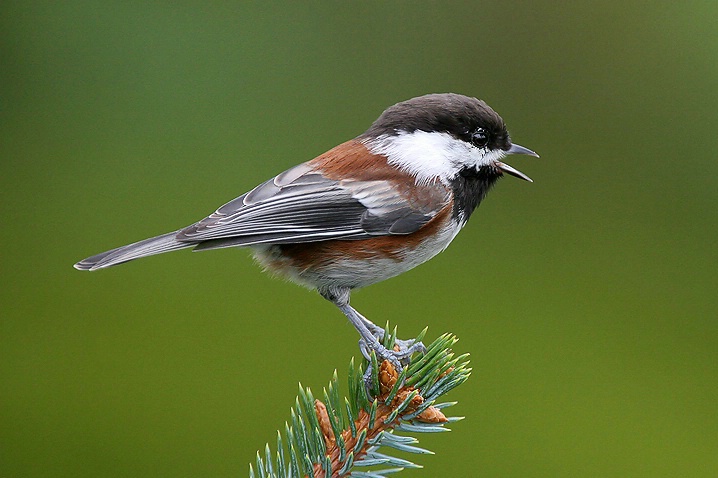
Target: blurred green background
[{"x": 588, "y": 299}]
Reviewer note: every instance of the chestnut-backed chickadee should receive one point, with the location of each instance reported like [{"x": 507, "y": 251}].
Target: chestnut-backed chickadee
[{"x": 364, "y": 211}]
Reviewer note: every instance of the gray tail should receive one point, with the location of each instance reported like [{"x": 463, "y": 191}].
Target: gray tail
[{"x": 148, "y": 247}]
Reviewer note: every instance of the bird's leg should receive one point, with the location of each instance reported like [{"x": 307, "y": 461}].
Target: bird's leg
[
  {"x": 369, "y": 342},
  {"x": 371, "y": 334},
  {"x": 373, "y": 328}
]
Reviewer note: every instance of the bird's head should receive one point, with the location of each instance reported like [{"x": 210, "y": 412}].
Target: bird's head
[{"x": 441, "y": 136}]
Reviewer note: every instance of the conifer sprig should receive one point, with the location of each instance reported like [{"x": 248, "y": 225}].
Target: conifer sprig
[{"x": 342, "y": 438}]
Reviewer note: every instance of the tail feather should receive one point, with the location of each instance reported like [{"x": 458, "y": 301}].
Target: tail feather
[{"x": 148, "y": 247}]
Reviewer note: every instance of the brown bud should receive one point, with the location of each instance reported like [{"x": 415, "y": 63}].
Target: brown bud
[
  {"x": 431, "y": 415},
  {"x": 324, "y": 423},
  {"x": 387, "y": 377},
  {"x": 401, "y": 396}
]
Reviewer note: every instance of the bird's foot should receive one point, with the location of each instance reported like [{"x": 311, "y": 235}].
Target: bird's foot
[
  {"x": 403, "y": 348},
  {"x": 373, "y": 338},
  {"x": 407, "y": 348},
  {"x": 399, "y": 357}
]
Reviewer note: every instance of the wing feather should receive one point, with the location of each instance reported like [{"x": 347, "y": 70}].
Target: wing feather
[{"x": 301, "y": 205}]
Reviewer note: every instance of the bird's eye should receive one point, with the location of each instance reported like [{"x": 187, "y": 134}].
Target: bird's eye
[{"x": 479, "y": 138}]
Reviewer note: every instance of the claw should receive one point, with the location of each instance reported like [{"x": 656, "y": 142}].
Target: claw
[{"x": 406, "y": 351}]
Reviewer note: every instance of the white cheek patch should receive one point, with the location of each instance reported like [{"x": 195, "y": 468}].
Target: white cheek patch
[
  {"x": 427, "y": 156},
  {"x": 431, "y": 155},
  {"x": 491, "y": 157}
]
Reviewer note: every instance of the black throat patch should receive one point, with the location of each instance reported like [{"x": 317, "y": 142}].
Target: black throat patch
[{"x": 470, "y": 187}]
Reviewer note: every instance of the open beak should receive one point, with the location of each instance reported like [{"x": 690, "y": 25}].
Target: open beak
[{"x": 516, "y": 149}]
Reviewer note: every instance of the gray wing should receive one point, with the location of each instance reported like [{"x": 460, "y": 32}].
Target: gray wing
[{"x": 301, "y": 205}]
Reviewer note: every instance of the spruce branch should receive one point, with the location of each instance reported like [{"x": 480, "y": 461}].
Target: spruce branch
[{"x": 331, "y": 438}]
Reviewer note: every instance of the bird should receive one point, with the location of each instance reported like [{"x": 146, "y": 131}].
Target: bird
[{"x": 367, "y": 210}]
